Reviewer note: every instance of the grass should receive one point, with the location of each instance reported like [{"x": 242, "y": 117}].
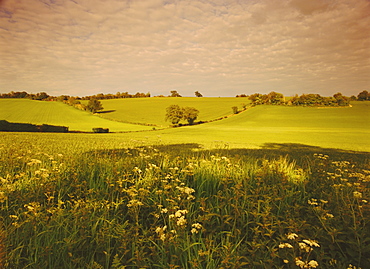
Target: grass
[
  {"x": 342, "y": 128},
  {"x": 121, "y": 205},
  {"x": 272, "y": 187},
  {"x": 153, "y": 110},
  {"x": 56, "y": 113}
]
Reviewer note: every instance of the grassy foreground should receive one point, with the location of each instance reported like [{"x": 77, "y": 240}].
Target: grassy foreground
[{"x": 117, "y": 204}]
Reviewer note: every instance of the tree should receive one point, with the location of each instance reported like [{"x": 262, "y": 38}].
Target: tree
[
  {"x": 94, "y": 105},
  {"x": 235, "y": 109},
  {"x": 363, "y": 96},
  {"x": 256, "y": 98},
  {"x": 275, "y": 98},
  {"x": 190, "y": 114},
  {"x": 174, "y": 114},
  {"x": 41, "y": 96},
  {"x": 198, "y": 94},
  {"x": 175, "y": 94},
  {"x": 341, "y": 100}
]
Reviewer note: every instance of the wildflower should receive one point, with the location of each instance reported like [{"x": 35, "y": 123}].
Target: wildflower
[
  {"x": 160, "y": 230},
  {"x": 313, "y": 263},
  {"x": 3, "y": 197},
  {"x": 134, "y": 202},
  {"x": 353, "y": 267},
  {"x": 300, "y": 263},
  {"x": 304, "y": 246},
  {"x": 357, "y": 194},
  {"x": 285, "y": 261},
  {"x": 329, "y": 215},
  {"x": 137, "y": 170},
  {"x": 164, "y": 210},
  {"x": 285, "y": 245},
  {"x": 196, "y": 228},
  {"x": 181, "y": 221},
  {"x": 312, "y": 202},
  {"x": 189, "y": 190},
  {"x": 311, "y": 243},
  {"x": 179, "y": 213},
  {"x": 292, "y": 236}
]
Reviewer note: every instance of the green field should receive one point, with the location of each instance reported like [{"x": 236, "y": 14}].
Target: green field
[
  {"x": 153, "y": 110},
  {"x": 332, "y": 127},
  {"x": 270, "y": 187},
  {"x": 56, "y": 113},
  {"x": 344, "y": 128}
]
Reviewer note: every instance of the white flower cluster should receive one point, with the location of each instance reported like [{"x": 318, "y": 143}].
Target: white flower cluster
[
  {"x": 196, "y": 227},
  {"x": 179, "y": 217}
]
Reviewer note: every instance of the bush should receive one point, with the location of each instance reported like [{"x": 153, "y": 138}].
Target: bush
[{"x": 100, "y": 130}]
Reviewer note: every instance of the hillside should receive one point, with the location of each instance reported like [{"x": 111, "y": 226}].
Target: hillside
[
  {"x": 153, "y": 110},
  {"x": 56, "y": 113},
  {"x": 344, "y": 128}
]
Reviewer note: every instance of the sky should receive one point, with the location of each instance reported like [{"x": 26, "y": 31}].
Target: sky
[{"x": 216, "y": 47}]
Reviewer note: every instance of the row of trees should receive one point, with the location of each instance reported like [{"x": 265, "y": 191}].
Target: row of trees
[
  {"x": 176, "y": 94},
  {"x": 100, "y": 96},
  {"x": 94, "y": 105},
  {"x": 118, "y": 95},
  {"x": 175, "y": 114},
  {"x": 274, "y": 98},
  {"x": 46, "y": 97},
  {"x": 37, "y": 96}
]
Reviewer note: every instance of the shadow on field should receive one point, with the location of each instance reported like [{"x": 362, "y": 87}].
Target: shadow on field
[
  {"x": 301, "y": 153},
  {"x": 106, "y": 111}
]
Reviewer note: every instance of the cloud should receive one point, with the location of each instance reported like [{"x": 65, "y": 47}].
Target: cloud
[{"x": 226, "y": 47}]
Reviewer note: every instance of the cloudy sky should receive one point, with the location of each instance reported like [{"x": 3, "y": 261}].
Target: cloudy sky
[{"x": 216, "y": 47}]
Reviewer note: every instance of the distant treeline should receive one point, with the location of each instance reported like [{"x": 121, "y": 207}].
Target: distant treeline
[
  {"x": 27, "y": 127},
  {"x": 274, "y": 98},
  {"x": 46, "y": 97}
]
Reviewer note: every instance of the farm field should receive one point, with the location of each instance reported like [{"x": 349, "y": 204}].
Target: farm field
[
  {"x": 344, "y": 128},
  {"x": 271, "y": 187},
  {"x": 153, "y": 110},
  {"x": 56, "y": 113}
]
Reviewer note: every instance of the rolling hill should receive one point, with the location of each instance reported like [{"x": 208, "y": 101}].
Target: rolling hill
[
  {"x": 153, "y": 110},
  {"x": 56, "y": 113},
  {"x": 331, "y": 127}
]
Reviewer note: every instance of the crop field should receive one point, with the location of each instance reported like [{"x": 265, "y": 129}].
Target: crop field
[{"x": 270, "y": 187}]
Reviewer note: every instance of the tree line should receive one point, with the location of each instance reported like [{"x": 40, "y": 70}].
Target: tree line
[
  {"x": 100, "y": 96},
  {"x": 46, "y": 97},
  {"x": 275, "y": 98}
]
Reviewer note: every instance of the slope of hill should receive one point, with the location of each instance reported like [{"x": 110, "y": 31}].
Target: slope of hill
[
  {"x": 345, "y": 128},
  {"x": 56, "y": 113},
  {"x": 153, "y": 110}
]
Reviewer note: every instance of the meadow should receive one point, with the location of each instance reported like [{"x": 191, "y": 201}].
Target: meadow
[{"x": 271, "y": 187}]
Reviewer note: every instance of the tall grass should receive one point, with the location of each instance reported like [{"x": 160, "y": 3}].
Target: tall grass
[{"x": 161, "y": 207}]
